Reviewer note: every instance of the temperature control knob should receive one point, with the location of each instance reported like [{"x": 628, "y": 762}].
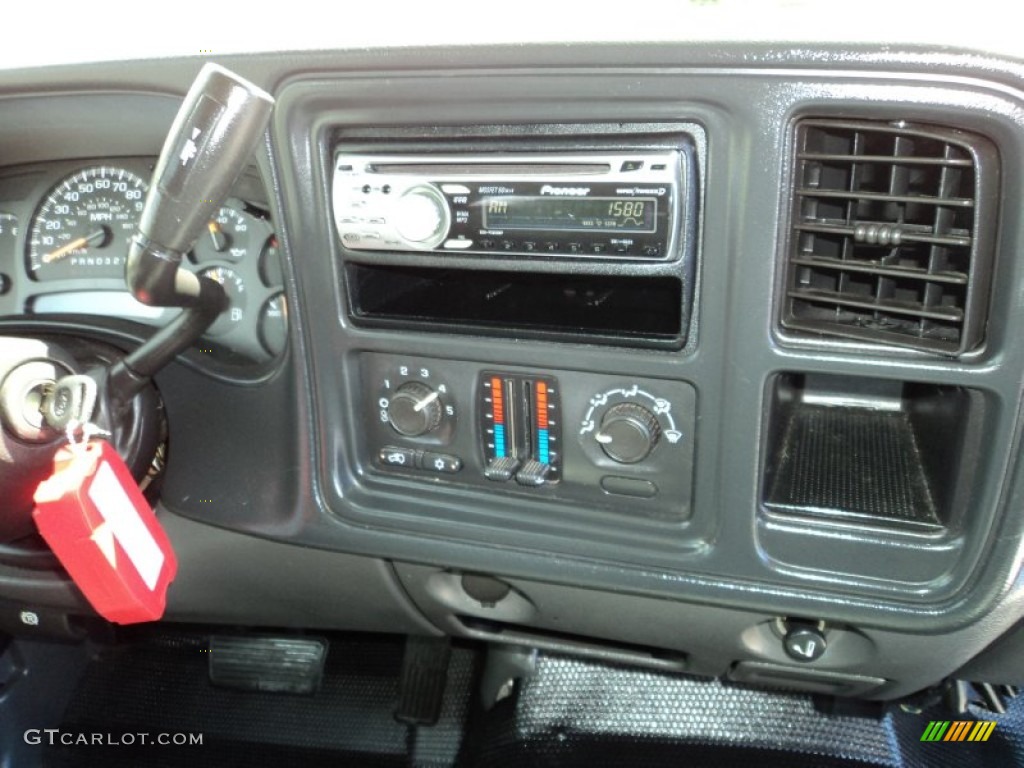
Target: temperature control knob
[
  {"x": 421, "y": 216},
  {"x": 628, "y": 433},
  {"x": 414, "y": 409}
]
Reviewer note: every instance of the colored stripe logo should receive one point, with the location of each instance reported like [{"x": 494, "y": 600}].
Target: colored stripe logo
[{"x": 958, "y": 730}]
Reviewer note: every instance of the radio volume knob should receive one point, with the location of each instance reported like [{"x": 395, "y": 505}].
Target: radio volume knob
[
  {"x": 421, "y": 216},
  {"x": 414, "y": 409},
  {"x": 628, "y": 433}
]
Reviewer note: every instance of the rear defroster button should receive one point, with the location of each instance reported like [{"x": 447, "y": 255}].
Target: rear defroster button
[{"x": 440, "y": 462}]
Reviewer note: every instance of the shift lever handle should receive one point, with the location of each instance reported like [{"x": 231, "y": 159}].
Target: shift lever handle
[{"x": 209, "y": 145}]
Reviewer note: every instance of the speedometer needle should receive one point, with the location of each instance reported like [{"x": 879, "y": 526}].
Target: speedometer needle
[{"x": 74, "y": 245}]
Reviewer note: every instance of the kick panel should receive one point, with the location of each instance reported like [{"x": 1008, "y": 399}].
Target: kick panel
[{"x": 615, "y": 443}]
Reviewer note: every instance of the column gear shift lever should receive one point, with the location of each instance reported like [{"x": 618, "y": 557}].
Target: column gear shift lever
[{"x": 209, "y": 145}]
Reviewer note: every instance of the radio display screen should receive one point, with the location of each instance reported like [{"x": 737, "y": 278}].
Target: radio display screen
[{"x": 589, "y": 214}]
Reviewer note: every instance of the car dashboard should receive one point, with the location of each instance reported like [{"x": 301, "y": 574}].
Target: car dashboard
[{"x": 698, "y": 359}]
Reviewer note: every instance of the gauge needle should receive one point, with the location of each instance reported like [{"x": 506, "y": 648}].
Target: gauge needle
[
  {"x": 220, "y": 242},
  {"x": 74, "y": 245}
]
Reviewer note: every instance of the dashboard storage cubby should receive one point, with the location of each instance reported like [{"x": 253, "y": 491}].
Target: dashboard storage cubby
[
  {"x": 879, "y": 452},
  {"x": 633, "y": 310}
]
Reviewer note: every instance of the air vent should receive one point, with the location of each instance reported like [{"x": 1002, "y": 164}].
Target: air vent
[{"x": 892, "y": 234}]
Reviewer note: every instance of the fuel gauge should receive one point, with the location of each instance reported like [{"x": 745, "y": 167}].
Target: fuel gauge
[{"x": 234, "y": 287}]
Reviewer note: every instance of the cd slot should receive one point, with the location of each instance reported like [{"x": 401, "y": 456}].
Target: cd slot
[
  {"x": 490, "y": 169},
  {"x": 633, "y": 310}
]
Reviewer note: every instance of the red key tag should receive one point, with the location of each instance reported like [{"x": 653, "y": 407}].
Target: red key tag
[{"x": 101, "y": 528}]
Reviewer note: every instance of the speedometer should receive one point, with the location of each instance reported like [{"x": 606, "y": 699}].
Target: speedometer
[{"x": 82, "y": 227}]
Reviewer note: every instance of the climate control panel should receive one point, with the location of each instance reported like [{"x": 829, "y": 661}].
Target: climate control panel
[{"x": 615, "y": 443}]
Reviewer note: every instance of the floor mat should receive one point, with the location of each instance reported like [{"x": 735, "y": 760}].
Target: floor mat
[
  {"x": 578, "y": 713},
  {"x": 573, "y": 713},
  {"x": 160, "y": 688}
]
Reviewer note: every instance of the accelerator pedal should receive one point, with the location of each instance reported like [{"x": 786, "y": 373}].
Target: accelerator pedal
[
  {"x": 270, "y": 664},
  {"x": 424, "y": 677}
]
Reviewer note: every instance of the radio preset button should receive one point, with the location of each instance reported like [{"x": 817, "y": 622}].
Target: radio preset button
[
  {"x": 551, "y": 247},
  {"x": 508, "y": 245},
  {"x": 529, "y": 245},
  {"x": 598, "y": 247},
  {"x": 487, "y": 243},
  {"x": 575, "y": 247},
  {"x": 651, "y": 250}
]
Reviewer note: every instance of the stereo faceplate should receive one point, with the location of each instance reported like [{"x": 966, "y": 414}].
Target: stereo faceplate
[{"x": 617, "y": 206}]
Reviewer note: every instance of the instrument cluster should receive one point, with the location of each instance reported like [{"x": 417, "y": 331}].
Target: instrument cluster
[{"x": 64, "y": 231}]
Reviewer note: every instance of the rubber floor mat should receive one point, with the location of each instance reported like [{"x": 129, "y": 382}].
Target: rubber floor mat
[
  {"x": 160, "y": 688},
  {"x": 578, "y": 713},
  {"x": 573, "y": 713}
]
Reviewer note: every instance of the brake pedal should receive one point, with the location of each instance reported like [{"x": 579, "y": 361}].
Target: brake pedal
[
  {"x": 424, "y": 677},
  {"x": 269, "y": 664}
]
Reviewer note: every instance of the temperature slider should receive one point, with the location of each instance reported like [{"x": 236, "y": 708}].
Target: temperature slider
[{"x": 520, "y": 428}]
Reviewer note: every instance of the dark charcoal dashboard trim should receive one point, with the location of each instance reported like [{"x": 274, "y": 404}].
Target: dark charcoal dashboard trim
[
  {"x": 300, "y": 506},
  {"x": 938, "y": 610}
]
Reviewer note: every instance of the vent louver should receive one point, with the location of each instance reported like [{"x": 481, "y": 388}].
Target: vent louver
[{"x": 892, "y": 233}]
